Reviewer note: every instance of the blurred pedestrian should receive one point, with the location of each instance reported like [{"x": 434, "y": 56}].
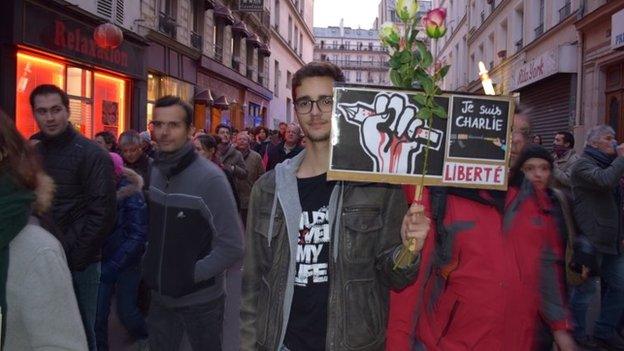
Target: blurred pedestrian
[
  {"x": 253, "y": 163},
  {"x": 195, "y": 235},
  {"x": 206, "y": 146},
  {"x": 287, "y": 149},
  {"x": 231, "y": 158},
  {"x": 565, "y": 156},
  {"x": 37, "y": 301},
  {"x": 84, "y": 207},
  {"x": 597, "y": 190},
  {"x": 134, "y": 157},
  {"x": 121, "y": 256}
]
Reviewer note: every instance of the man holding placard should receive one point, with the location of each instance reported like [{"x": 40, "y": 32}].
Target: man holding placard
[{"x": 312, "y": 243}]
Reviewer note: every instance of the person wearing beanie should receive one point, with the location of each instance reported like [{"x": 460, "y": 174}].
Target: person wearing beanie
[
  {"x": 535, "y": 164},
  {"x": 121, "y": 256}
]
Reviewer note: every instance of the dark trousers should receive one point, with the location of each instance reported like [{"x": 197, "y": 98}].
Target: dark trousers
[
  {"x": 127, "y": 286},
  {"x": 86, "y": 285},
  {"x": 202, "y": 324}
]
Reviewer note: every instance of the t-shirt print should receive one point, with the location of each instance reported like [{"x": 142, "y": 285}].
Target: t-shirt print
[{"x": 312, "y": 248}]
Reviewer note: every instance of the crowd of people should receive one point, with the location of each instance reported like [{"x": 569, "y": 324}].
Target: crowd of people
[{"x": 157, "y": 218}]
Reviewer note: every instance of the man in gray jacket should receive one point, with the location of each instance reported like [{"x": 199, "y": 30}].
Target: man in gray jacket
[
  {"x": 195, "y": 234},
  {"x": 319, "y": 259},
  {"x": 565, "y": 156},
  {"x": 597, "y": 190}
]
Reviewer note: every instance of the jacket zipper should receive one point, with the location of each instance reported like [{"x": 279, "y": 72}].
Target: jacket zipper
[{"x": 162, "y": 244}]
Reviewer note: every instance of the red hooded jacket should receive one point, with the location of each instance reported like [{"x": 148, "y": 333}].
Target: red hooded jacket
[{"x": 487, "y": 280}]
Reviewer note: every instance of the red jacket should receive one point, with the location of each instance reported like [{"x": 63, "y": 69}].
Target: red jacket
[{"x": 485, "y": 286}]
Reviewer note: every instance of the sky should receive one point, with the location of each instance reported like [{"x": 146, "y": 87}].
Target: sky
[{"x": 356, "y": 13}]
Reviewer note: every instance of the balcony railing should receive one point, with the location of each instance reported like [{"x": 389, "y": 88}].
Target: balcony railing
[
  {"x": 361, "y": 64},
  {"x": 167, "y": 25},
  {"x": 564, "y": 12},
  {"x": 482, "y": 16},
  {"x": 539, "y": 30},
  {"x": 250, "y": 71},
  {"x": 196, "y": 41},
  {"x": 343, "y": 47},
  {"x": 236, "y": 63},
  {"x": 218, "y": 53},
  {"x": 519, "y": 45}
]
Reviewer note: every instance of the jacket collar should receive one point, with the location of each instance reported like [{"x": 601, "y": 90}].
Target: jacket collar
[{"x": 62, "y": 139}]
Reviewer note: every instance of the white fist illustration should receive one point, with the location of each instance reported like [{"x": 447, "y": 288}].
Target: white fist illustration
[{"x": 390, "y": 132}]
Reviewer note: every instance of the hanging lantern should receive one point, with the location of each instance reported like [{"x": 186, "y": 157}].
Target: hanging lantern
[{"x": 108, "y": 36}]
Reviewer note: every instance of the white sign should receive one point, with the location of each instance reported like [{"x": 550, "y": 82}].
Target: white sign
[
  {"x": 617, "y": 30},
  {"x": 476, "y": 174},
  {"x": 557, "y": 60}
]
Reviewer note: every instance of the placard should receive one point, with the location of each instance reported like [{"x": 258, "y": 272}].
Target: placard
[{"x": 377, "y": 136}]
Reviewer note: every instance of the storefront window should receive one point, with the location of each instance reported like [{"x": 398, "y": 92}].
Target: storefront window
[
  {"x": 109, "y": 96},
  {"x": 159, "y": 86},
  {"x": 97, "y": 101},
  {"x": 31, "y": 72}
]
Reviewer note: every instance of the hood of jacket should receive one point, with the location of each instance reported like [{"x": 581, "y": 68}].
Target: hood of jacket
[{"x": 130, "y": 184}]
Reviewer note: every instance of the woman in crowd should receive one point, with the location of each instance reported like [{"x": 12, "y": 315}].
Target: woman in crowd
[
  {"x": 37, "y": 301},
  {"x": 121, "y": 257},
  {"x": 537, "y": 139}
]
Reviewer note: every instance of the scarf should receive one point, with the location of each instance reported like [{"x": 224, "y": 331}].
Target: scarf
[
  {"x": 560, "y": 150},
  {"x": 172, "y": 163},
  {"x": 14, "y": 212},
  {"x": 603, "y": 159}
]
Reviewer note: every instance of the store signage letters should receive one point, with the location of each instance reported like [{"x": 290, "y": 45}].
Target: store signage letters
[
  {"x": 83, "y": 43},
  {"x": 617, "y": 30}
]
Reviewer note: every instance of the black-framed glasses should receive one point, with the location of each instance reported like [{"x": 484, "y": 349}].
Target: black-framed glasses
[{"x": 323, "y": 103}]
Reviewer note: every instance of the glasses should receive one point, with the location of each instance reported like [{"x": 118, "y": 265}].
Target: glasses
[
  {"x": 54, "y": 110},
  {"x": 323, "y": 103}
]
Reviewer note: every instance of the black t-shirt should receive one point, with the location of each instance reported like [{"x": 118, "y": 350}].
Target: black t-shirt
[{"x": 307, "y": 325}]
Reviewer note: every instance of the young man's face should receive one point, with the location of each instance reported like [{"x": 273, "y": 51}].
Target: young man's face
[
  {"x": 170, "y": 129},
  {"x": 51, "y": 115},
  {"x": 224, "y": 135},
  {"x": 314, "y": 106},
  {"x": 560, "y": 141},
  {"x": 261, "y": 135}
]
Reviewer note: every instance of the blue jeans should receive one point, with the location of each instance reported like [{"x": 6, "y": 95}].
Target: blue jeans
[
  {"x": 202, "y": 323},
  {"x": 86, "y": 284},
  {"x": 612, "y": 302},
  {"x": 127, "y": 286}
]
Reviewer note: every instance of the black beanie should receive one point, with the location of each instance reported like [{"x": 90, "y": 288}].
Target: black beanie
[{"x": 534, "y": 151}]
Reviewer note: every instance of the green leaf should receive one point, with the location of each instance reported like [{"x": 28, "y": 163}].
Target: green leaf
[
  {"x": 405, "y": 57},
  {"x": 395, "y": 78},
  {"x": 439, "y": 111},
  {"x": 425, "y": 54},
  {"x": 428, "y": 85},
  {"x": 394, "y": 61},
  {"x": 443, "y": 71},
  {"x": 421, "y": 99},
  {"x": 425, "y": 113}
]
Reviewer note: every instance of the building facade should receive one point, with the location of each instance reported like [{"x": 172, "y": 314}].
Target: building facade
[
  {"x": 46, "y": 42},
  {"x": 292, "y": 42},
  {"x": 529, "y": 48},
  {"x": 358, "y": 52},
  {"x": 210, "y": 54},
  {"x": 601, "y": 84},
  {"x": 562, "y": 59}
]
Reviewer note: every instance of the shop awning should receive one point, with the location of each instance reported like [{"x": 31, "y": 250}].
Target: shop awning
[
  {"x": 240, "y": 28},
  {"x": 254, "y": 40},
  {"x": 221, "y": 12},
  {"x": 221, "y": 103},
  {"x": 264, "y": 49},
  {"x": 204, "y": 96}
]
